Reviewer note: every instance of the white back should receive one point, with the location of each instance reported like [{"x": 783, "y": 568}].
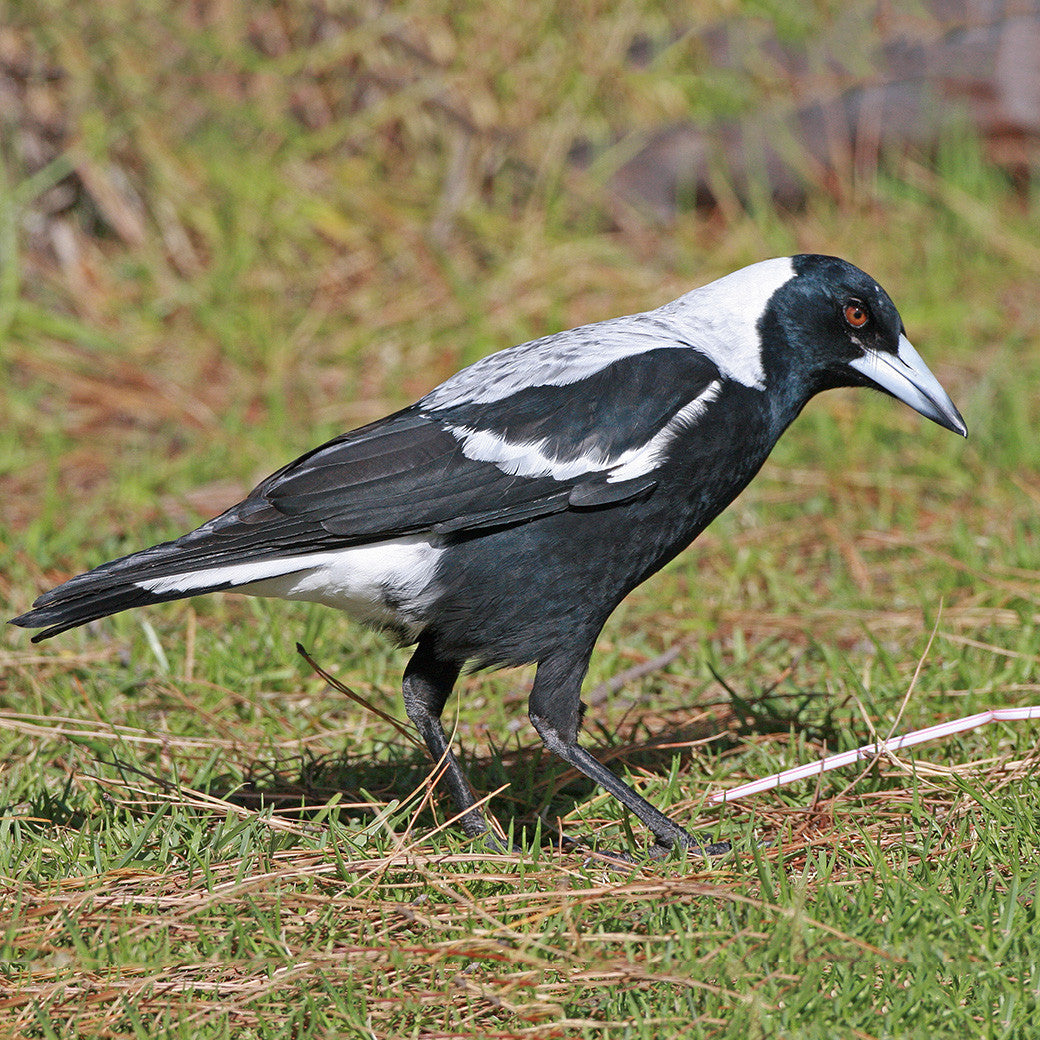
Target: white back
[{"x": 719, "y": 320}]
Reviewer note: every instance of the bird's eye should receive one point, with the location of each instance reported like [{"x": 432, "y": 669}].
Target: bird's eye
[{"x": 856, "y": 314}]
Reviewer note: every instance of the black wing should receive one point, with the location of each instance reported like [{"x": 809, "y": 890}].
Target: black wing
[
  {"x": 553, "y": 447},
  {"x": 416, "y": 472}
]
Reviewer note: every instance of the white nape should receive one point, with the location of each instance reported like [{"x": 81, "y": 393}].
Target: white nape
[{"x": 721, "y": 319}]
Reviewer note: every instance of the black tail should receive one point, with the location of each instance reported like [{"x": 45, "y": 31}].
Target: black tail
[
  {"x": 248, "y": 542},
  {"x": 69, "y": 612},
  {"x": 113, "y": 587}
]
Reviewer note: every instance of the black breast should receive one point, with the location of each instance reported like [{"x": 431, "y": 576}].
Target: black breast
[{"x": 515, "y": 595}]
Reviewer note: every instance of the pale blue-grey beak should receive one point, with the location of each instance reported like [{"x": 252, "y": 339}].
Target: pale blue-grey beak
[{"x": 906, "y": 377}]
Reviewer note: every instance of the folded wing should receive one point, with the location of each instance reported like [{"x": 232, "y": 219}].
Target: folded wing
[{"x": 444, "y": 471}]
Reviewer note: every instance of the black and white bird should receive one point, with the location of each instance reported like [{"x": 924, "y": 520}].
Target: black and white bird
[{"x": 502, "y": 518}]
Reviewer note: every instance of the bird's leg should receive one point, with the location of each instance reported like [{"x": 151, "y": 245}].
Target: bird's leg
[
  {"x": 555, "y": 710},
  {"x": 428, "y": 682}
]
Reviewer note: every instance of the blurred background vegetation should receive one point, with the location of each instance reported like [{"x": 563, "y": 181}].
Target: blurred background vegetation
[{"x": 229, "y": 230}]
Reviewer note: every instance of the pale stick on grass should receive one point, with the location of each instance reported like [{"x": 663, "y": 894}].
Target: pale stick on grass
[{"x": 881, "y": 747}]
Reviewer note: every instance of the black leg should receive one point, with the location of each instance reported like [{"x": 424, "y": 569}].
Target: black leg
[
  {"x": 555, "y": 709},
  {"x": 428, "y": 681}
]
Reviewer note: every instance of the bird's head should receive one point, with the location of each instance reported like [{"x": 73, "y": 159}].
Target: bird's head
[{"x": 832, "y": 325}]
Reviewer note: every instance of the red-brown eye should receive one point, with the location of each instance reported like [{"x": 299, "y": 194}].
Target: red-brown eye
[{"x": 856, "y": 315}]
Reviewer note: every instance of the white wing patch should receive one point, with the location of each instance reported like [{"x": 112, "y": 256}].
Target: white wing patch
[
  {"x": 530, "y": 459},
  {"x": 385, "y": 583},
  {"x": 523, "y": 458},
  {"x": 642, "y": 460}
]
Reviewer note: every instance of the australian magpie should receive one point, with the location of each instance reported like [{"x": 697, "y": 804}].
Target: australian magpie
[{"x": 502, "y": 518}]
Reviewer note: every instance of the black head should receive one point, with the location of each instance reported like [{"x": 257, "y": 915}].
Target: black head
[{"x": 832, "y": 325}]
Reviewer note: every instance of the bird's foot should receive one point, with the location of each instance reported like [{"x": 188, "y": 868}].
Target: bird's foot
[{"x": 713, "y": 851}]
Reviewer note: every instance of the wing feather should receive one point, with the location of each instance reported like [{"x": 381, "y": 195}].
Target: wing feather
[
  {"x": 415, "y": 471},
  {"x": 410, "y": 473}
]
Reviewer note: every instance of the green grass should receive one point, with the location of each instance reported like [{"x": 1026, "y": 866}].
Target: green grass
[{"x": 199, "y": 837}]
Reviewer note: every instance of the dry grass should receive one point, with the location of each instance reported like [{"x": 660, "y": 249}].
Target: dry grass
[{"x": 514, "y": 951}]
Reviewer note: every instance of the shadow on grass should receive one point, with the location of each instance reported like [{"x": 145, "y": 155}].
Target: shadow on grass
[
  {"x": 303, "y": 787},
  {"x": 538, "y": 788},
  {"x": 532, "y": 789}
]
